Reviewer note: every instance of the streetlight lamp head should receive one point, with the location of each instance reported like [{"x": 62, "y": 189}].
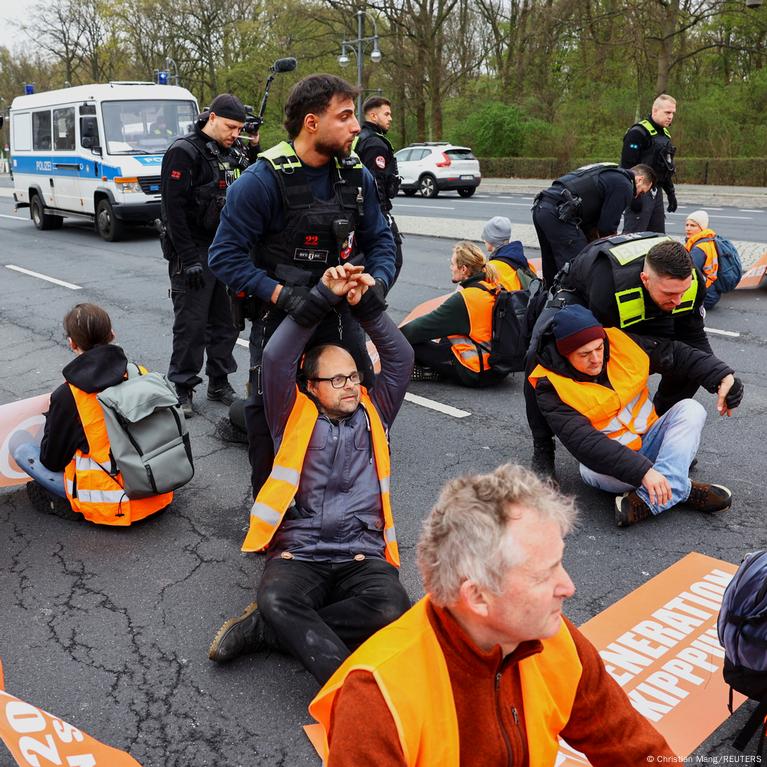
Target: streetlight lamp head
[
  {"x": 343, "y": 59},
  {"x": 375, "y": 56}
]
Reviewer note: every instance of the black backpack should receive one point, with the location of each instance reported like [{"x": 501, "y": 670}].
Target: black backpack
[
  {"x": 742, "y": 629},
  {"x": 511, "y": 329}
]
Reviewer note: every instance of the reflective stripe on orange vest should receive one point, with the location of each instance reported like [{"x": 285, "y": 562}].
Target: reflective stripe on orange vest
[
  {"x": 90, "y": 488},
  {"x": 408, "y": 665},
  {"x": 705, "y": 241},
  {"x": 281, "y": 486},
  {"x": 623, "y": 413},
  {"x": 479, "y": 305}
]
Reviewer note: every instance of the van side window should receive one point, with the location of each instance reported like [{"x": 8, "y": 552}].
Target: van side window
[
  {"x": 89, "y": 129},
  {"x": 64, "y": 129},
  {"x": 41, "y": 130}
]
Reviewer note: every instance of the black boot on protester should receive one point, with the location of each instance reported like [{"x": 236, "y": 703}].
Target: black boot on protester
[
  {"x": 48, "y": 503},
  {"x": 226, "y": 431},
  {"x": 705, "y": 497},
  {"x": 238, "y": 636},
  {"x": 542, "y": 462},
  {"x": 185, "y": 400},
  {"x": 221, "y": 391},
  {"x": 630, "y": 509}
]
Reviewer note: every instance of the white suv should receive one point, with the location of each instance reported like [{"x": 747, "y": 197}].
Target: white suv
[{"x": 435, "y": 166}]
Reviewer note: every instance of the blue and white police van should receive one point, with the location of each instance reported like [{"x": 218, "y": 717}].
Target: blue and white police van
[{"x": 94, "y": 152}]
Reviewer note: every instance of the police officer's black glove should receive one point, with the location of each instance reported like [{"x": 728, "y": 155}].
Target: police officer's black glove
[
  {"x": 371, "y": 305},
  {"x": 735, "y": 395},
  {"x": 194, "y": 276},
  {"x": 305, "y": 307},
  {"x": 672, "y": 204}
]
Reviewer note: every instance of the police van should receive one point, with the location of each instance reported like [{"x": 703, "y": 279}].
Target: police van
[{"x": 94, "y": 152}]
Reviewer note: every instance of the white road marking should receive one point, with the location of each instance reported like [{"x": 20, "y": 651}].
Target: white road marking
[
  {"x": 242, "y": 342},
  {"x": 416, "y": 399},
  {"x": 723, "y": 332},
  {"x": 747, "y": 210},
  {"x": 432, "y": 207},
  {"x": 13, "y": 218},
  {"x": 43, "y": 277}
]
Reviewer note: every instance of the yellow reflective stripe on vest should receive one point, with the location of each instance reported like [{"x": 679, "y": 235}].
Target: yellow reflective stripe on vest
[
  {"x": 649, "y": 127},
  {"x": 688, "y": 297},
  {"x": 631, "y": 308}
]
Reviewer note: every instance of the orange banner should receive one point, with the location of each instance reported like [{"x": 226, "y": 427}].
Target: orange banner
[
  {"x": 755, "y": 275},
  {"x": 37, "y": 739},
  {"x": 660, "y": 644},
  {"x": 24, "y": 415}
]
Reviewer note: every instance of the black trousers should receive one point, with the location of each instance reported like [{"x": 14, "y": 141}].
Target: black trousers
[
  {"x": 651, "y": 217},
  {"x": 398, "y": 243},
  {"x": 202, "y": 325},
  {"x": 320, "y": 611},
  {"x": 338, "y": 327},
  {"x": 438, "y": 355},
  {"x": 560, "y": 241}
]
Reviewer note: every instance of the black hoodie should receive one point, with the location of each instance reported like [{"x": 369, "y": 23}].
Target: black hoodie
[
  {"x": 593, "y": 448},
  {"x": 92, "y": 371}
]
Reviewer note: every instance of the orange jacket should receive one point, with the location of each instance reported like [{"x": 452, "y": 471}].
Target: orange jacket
[
  {"x": 282, "y": 484},
  {"x": 409, "y": 666},
  {"x": 90, "y": 487},
  {"x": 623, "y": 412},
  {"x": 711, "y": 264},
  {"x": 479, "y": 305}
]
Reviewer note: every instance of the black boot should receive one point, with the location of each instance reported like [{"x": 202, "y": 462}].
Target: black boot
[
  {"x": 238, "y": 636},
  {"x": 542, "y": 462}
]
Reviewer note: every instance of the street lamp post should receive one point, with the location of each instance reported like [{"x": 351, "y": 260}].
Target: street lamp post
[{"x": 357, "y": 47}]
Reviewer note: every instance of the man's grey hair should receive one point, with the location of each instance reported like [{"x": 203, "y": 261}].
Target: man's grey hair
[
  {"x": 664, "y": 98},
  {"x": 463, "y": 536}
]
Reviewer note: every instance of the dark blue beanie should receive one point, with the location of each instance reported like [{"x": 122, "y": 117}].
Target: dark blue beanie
[{"x": 574, "y": 326}]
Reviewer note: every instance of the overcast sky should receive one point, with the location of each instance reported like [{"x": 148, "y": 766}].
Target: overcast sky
[{"x": 12, "y": 12}]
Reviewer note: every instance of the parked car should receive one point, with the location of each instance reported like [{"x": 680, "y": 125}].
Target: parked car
[{"x": 437, "y": 166}]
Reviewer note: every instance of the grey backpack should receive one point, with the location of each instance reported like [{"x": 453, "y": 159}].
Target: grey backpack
[{"x": 147, "y": 434}]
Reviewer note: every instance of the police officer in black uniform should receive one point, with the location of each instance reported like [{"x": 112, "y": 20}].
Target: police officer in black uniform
[
  {"x": 307, "y": 204},
  {"x": 581, "y": 206},
  {"x": 377, "y": 155},
  {"x": 649, "y": 142},
  {"x": 644, "y": 284},
  {"x": 196, "y": 171}
]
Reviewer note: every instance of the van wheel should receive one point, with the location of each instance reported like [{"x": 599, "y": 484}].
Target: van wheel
[
  {"x": 110, "y": 228},
  {"x": 467, "y": 191},
  {"x": 40, "y": 218},
  {"x": 427, "y": 186}
]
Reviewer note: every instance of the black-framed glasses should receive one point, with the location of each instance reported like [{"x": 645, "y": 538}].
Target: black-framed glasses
[{"x": 339, "y": 381}]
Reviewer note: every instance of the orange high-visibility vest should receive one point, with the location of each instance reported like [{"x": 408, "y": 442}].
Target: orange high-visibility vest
[
  {"x": 479, "y": 304},
  {"x": 711, "y": 266},
  {"x": 281, "y": 486},
  {"x": 624, "y": 412},
  {"x": 408, "y": 664},
  {"x": 90, "y": 488},
  {"x": 508, "y": 276}
]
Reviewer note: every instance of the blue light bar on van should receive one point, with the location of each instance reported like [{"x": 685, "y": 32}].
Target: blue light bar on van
[
  {"x": 162, "y": 77},
  {"x": 29, "y": 89}
]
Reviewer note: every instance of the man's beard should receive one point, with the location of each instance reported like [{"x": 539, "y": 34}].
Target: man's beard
[{"x": 332, "y": 151}]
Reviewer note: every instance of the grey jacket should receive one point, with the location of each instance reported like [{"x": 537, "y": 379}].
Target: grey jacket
[{"x": 336, "y": 513}]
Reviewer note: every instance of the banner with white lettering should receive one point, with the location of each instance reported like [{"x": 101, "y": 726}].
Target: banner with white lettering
[
  {"x": 660, "y": 644},
  {"x": 37, "y": 739}
]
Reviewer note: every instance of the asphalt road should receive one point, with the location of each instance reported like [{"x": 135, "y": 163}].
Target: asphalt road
[
  {"x": 734, "y": 223},
  {"x": 109, "y": 628}
]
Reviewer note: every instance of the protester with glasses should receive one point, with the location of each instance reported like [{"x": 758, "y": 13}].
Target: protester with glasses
[{"x": 323, "y": 515}]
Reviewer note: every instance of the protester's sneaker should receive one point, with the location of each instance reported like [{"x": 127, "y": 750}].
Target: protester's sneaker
[
  {"x": 422, "y": 373},
  {"x": 185, "y": 400},
  {"x": 238, "y": 636},
  {"x": 705, "y": 497},
  {"x": 630, "y": 509},
  {"x": 542, "y": 462},
  {"x": 228, "y": 432},
  {"x": 48, "y": 503},
  {"x": 221, "y": 391}
]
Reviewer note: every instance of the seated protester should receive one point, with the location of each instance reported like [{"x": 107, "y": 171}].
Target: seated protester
[
  {"x": 702, "y": 249},
  {"x": 331, "y": 576},
  {"x": 74, "y": 460},
  {"x": 591, "y": 386},
  {"x": 463, "y": 324},
  {"x": 506, "y": 255}
]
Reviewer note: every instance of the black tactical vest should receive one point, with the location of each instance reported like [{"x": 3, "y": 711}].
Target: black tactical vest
[
  {"x": 387, "y": 180},
  {"x": 659, "y": 155},
  {"x": 318, "y": 233},
  {"x": 582, "y": 183}
]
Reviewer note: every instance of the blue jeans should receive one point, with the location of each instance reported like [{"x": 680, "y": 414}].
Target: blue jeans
[
  {"x": 670, "y": 443},
  {"x": 27, "y": 456}
]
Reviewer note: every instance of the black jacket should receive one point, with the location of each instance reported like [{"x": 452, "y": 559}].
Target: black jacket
[
  {"x": 377, "y": 156},
  {"x": 91, "y": 371},
  {"x": 593, "y": 448},
  {"x": 637, "y": 146}
]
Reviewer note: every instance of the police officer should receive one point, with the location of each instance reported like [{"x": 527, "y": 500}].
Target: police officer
[
  {"x": 377, "y": 155},
  {"x": 649, "y": 142},
  {"x": 196, "y": 171},
  {"x": 307, "y": 204},
  {"x": 581, "y": 206},
  {"x": 644, "y": 284}
]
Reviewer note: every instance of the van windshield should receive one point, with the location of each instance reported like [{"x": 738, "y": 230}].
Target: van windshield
[{"x": 145, "y": 127}]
